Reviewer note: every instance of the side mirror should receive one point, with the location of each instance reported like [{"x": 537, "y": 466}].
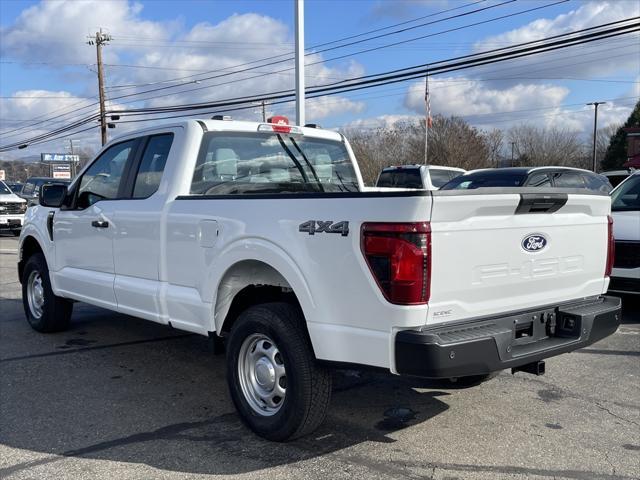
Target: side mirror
[{"x": 52, "y": 195}]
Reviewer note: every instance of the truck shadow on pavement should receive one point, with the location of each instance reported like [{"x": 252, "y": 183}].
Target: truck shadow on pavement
[{"x": 159, "y": 397}]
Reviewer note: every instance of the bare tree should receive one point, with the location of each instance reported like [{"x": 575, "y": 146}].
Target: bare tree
[{"x": 534, "y": 146}]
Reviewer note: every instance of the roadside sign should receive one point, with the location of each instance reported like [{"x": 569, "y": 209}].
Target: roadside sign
[
  {"x": 59, "y": 157},
  {"x": 62, "y": 171},
  {"x": 1, "y": 174}
]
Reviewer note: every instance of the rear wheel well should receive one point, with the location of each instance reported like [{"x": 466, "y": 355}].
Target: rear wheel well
[
  {"x": 254, "y": 295},
  {"x": 30, "y": 246}
]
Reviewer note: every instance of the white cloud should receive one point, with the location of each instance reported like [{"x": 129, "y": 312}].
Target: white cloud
[
  {"x": 489, "y": 107},
  {"x": 56, "y": 31},
  {"x": 615, "y": 55},
  {"x": 168, "y": 51},
  {"x": 381, "y": 121},
  {"x": 462, "y": 96}
]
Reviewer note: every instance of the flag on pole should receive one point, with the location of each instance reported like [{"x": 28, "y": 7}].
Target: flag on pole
[{"x": 428, "y": 102}]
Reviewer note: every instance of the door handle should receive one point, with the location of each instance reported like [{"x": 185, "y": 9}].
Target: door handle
[{"x": 100, "y": 224}]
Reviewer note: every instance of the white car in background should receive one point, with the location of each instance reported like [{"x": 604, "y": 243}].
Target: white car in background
[
  {"x": 625, "y": 209},
  {"x": 12, "y": 209},
  {"x": 421, "y": 177}
]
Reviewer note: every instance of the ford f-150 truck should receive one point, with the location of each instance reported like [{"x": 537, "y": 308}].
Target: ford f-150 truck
[{"x": 262, "y": 236}]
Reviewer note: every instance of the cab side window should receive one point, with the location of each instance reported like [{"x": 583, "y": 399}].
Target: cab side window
[
  {"x": 103, "y": 178},
  {"x": 152, "y": 165}
]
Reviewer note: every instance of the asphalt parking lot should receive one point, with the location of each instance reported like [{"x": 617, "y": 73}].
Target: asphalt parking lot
[{"x": 117, "y": 397}]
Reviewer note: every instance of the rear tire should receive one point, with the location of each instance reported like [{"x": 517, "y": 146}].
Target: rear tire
[
  {"x": 45, "y": 311},
  {"x": 275, "y": 383}
]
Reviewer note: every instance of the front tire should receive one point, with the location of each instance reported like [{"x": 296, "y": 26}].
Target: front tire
[
  {"x": 45, "y": 311},
  {"x": 274, "y": 381}
]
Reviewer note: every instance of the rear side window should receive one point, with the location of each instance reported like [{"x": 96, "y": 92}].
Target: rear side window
[
  {"x": 539, "y": 180},
  {"x": 440, "y": 177},
  {"x": 152, "y": 165},
  {"x": 28, "y": 188},
  {"x": 485, "y": 180},
  {"x": 596, "y": 182},
  {"x": 401, "y": 178},
  {"x": 569, "y": 180},
  {"x": 250, "y": 163}
]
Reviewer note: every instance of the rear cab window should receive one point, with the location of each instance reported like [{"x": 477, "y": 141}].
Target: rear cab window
[
  {"x": 231, "y": 163},
  {"x": 401, "y": 178}
]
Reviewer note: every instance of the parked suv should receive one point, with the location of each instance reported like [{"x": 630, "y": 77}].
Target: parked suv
[
  {"x": 423, "y": 177},
  {"x": 625, "y": 209},
  {"x": 12, "y": 209},
  {"x": 558, "y": 177}
]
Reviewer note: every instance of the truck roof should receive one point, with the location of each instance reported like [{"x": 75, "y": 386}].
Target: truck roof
[{"x": 226, "y": 126}]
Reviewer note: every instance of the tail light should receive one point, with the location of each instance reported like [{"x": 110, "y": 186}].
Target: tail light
[
  {"x": 399, "y": 257},
  {"x": 611, "y": 248}
]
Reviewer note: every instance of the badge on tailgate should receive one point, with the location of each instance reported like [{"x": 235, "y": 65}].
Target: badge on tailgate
[{"x": 534, "y": 242}]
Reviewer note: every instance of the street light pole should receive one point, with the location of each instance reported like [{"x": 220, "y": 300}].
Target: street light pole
[
  {"x": 595, "y": 129},
  {"x": 513, "y": 144},
  {"x": 299, "y": 14}
]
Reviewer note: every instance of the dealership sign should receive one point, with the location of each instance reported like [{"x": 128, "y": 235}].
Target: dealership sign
[
  {"x": 62, "y": 171},
  {"x": 59, "y": 157}
]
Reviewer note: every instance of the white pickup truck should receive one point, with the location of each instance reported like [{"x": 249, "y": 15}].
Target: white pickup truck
[{"x": 260, "y": 234}]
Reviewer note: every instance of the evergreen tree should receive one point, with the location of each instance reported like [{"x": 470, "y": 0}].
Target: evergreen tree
[{"x": 617, "y": 151}]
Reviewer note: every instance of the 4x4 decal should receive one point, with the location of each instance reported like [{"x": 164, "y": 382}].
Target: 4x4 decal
[{"x": 318, "y": 226}]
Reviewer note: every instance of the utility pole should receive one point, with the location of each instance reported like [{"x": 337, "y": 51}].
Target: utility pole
[
  {"x": 264, "y": 111},
  {"x": 73, "y": 162},
  {"x": 427, "y": 120},
  {"x": 595, "y": 130},
  {"x": 513, "y": 144},
  {"x": 299, "y": 15},
  {"x": 99, "y": 40}
]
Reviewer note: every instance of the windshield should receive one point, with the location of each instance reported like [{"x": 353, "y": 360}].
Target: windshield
[
  {"x": 249, "y": 163},
  {"x": 4, "y": 190},
  {"x": 400, "y": 178},
  {"x": 485, "y": 179},
  {"x": 627, "y": 197}
]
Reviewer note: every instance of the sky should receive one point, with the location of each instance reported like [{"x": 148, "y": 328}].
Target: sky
[{"x": 170, "y": 49}]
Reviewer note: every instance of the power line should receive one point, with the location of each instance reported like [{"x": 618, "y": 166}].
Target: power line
[
  {"x": 383, "y": 79},
  {"x": 259, "y": 60},
  {"x": 276, "y": 62}
]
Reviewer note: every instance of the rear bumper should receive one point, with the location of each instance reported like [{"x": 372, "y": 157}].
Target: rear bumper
[{"x": 486, "y": 345}]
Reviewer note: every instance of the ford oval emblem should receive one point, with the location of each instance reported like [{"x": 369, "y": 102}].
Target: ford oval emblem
[{"x": 534, "y": 242}]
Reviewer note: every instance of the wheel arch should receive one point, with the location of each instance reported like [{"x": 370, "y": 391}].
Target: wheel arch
[
  {"x": 28, "y": 247},
  {"x": 246, "y": 283}
]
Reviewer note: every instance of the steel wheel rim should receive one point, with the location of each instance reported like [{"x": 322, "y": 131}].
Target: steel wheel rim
[
  {"x": 35, "y": 294},
  {"x": 262, "y": 375}
]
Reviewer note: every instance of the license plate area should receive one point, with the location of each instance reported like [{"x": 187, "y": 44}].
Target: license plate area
[
  {"x": 534, "y": 330},
  {"x": 534, "y": 327}
]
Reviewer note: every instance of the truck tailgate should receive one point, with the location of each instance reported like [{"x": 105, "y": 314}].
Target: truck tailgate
[{"x": 499, "y": 252}]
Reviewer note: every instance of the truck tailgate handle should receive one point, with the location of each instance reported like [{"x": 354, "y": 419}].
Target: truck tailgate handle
[
  {"x": 541, "y": 202},
  {"x": 100, "y": 224}
]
